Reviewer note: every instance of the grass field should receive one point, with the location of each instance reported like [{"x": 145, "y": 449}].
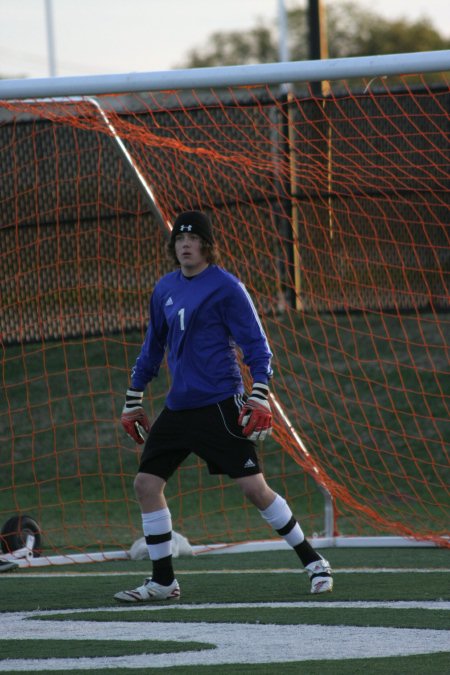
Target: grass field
[{"x": 238, "y": 613}]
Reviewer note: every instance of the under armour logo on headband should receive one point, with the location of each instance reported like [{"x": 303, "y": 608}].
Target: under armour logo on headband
[{"x": 193, "y": 222}]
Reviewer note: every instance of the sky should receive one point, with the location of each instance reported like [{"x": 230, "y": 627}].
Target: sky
[{"x": 93, "y": 37}]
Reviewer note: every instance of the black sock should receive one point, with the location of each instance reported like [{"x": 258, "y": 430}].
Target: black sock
[
  {"x": 163, "y": 571},
  {"x": 306, "y": 553}
]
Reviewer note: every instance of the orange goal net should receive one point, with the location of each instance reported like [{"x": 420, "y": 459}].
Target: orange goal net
[{"x": 332, "y": 208}]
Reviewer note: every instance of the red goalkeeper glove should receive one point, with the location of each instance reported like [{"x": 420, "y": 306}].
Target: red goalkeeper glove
[
  {"x": 134, "y": 420},
  {"x": 256, "y": 416}
]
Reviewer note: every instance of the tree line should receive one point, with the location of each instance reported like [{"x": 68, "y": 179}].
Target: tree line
[{"x": 351, "y": 29}]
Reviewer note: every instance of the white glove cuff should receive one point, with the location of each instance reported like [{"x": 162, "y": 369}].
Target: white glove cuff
[
  {"x": 133, "y": 398},
  {"x": 260, "y": 391}
]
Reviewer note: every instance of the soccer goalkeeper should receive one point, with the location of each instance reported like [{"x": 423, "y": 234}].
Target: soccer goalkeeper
[{"x": 200, "y": 313}]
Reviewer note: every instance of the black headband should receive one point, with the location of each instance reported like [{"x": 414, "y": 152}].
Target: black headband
[{"x": 195, "y": 222}]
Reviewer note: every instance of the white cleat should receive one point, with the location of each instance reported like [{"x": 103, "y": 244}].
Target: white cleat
[
  {"x": 319, "y": 573},
  {"x": 150, "y": 591}
]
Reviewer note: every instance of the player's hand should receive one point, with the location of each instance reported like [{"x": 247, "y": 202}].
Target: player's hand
[
  {"x": 256, "y": 416},
  {"x": 134, "y": 419}
]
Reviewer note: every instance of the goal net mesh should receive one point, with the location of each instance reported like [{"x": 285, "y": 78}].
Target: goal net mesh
[{"x": 332, "y": 208}]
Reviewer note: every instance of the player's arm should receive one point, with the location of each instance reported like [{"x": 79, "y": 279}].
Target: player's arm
[
  {"x": 255, "y": 416},
  {"x": 134, "y": 418}
]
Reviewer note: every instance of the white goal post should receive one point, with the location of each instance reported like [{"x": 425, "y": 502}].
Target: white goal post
[{"x": 228, "y": 76}]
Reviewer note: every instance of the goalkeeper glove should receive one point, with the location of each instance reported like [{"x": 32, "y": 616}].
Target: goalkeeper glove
[
  {"x": 134, "y": 420},
  {"x": 256, "y": 416}
]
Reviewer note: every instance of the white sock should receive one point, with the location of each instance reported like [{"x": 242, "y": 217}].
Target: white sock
[
  {"x": 157, "y": 528},
  {"x": 280, "y": 517}
]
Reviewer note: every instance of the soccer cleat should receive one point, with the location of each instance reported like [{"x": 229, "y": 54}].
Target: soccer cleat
[
  {"x": 319, "y": 573},
  {"x": 150, "y": 591}
]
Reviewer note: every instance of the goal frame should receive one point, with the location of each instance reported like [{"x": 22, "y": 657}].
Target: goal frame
[{"x": 88, "y": 87}]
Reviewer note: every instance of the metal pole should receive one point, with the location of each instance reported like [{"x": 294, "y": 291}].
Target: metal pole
[
  {"x": 315, "y": 471},
  {"x": 141, "y": 180},
  {"x": 280, "y": 149},
  {"x": 318, "y": 45},
  {"x": 283, "y": 45},
  {"x": 228, "y": 76},
  {"x": 315, "y": 51},
  {"x": 50, "y": 38}
]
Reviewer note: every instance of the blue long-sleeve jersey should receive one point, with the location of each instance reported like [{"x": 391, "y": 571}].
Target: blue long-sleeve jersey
[{"x": 200, "y": 321}]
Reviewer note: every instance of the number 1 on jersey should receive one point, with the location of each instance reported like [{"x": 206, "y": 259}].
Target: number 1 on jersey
[{"x": 181, "y": 315}]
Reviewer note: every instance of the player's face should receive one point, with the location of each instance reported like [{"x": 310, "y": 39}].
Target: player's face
[{"x": 188, "y": 249}]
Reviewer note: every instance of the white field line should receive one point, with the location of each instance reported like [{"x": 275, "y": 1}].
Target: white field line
[
  {"x": 339, "y": 604},
  {"x": 179, "y": 573},
  {"x": 239, "y": 643}
]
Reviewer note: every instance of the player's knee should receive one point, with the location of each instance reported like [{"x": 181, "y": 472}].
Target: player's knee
[
  {"x": 145, "y": 485},
  {"x": 258, "y": 492}
]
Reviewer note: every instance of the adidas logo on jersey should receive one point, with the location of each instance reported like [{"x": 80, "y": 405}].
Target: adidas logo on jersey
[
  {"x": 169, "y": 302},
  {"x": 249, "y": 464}
]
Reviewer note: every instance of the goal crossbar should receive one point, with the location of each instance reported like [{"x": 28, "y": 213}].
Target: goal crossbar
[{"x": 223, "y": 76}]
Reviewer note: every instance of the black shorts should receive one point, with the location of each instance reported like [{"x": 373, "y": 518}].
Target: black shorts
[{"x": 211, "y": 432}]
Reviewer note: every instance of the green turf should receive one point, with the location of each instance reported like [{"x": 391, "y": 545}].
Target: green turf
[
  {"x": 59, "y": 593},
  {"x": 66, "y": 648},
  {"x": 394, "y": 618},
  {"x": 262, "y": 586},
  {"x": 431, "y": 664},
  {"x": 422, "y": 664},
  {"x": 255, "y": 583}
]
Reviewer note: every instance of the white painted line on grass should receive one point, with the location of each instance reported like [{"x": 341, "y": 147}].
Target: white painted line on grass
[
  {"x": 339, "y": 604},
  {"x": 342, "y": 570},
  {"x": 235, "y": 643}
]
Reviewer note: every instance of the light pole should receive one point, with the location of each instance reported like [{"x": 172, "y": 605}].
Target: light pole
[
  {"x": 318, "y": 47},
  {"x": 318, "y": 44},
  {"x": 283, "y": 46},
  {"x": 50, "y": 38}
]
